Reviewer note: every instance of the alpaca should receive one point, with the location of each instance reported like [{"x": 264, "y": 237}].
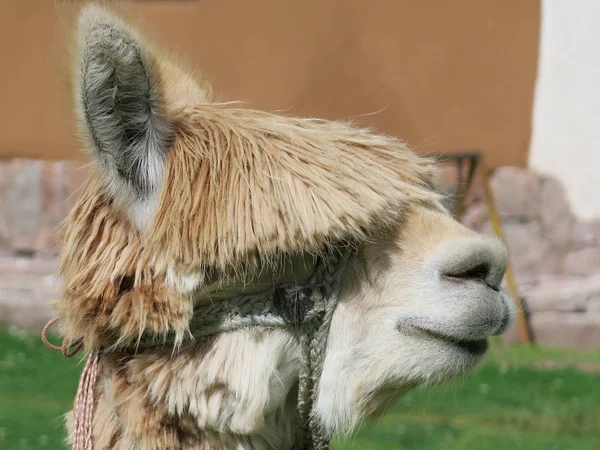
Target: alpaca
[{"x": 251, "y": 280}]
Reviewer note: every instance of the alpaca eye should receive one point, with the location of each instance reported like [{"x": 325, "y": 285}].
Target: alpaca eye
[{"x": 126, "y": 284}]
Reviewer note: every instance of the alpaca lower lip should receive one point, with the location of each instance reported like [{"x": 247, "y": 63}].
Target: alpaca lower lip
[{"x": 475, "y": 347}]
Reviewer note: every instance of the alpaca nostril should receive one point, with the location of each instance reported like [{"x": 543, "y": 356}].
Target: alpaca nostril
[
  {"x": 479, "y": 271},
  {"x": 472, "y": 258}
]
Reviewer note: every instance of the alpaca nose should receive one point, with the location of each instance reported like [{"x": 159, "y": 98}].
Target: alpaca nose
[{"x": 475, "y": 258}]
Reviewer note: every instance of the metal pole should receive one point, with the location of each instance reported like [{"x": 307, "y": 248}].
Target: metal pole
[
  {"x": 522, "y": 327},
  {"x": 464, "y": 187}
]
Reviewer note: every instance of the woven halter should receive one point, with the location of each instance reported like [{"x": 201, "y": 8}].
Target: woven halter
[{"x": 307, "y": 308}]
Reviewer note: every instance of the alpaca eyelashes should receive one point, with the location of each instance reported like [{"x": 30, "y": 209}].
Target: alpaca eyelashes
[{"x": 126, "y": 284}]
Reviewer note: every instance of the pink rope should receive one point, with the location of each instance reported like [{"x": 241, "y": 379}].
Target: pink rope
[
  {"x": 67, "y": 350},
  {"x": 83, "y": 406}
]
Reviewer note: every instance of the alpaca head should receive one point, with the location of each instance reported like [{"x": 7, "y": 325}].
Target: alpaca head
[
  {"x": 416, "y": 308},
  {"x": 191, "y": 200}
]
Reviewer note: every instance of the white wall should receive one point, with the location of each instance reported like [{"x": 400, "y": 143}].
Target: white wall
[{"x": 566, "y": 113}]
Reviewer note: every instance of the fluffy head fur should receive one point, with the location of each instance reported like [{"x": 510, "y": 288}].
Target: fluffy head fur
[{"x": 192, "y": 201}]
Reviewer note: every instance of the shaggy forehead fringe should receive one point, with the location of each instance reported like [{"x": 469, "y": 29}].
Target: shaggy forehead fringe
[
  {"x": 245, "y": 186},
  {"x": 242, "y": 185}
]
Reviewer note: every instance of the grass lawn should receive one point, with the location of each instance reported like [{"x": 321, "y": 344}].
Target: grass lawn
[{"x": 519, "y": 399}]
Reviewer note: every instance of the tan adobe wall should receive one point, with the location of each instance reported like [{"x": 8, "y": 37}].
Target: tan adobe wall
[{"x": 441, "y": 75}]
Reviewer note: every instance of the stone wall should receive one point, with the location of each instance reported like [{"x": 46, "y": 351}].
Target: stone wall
[
  {"x": 35, "y": 197},
  {"x": 555, "y": 256}
]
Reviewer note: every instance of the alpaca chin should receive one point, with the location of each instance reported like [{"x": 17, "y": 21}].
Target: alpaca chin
[{"x": 342, "y": 413}]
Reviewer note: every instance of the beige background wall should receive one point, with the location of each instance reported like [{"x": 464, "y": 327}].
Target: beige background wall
[{"x": 441, "y": 75}]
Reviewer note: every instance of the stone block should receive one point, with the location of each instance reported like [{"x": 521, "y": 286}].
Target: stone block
[
  {"x": 476, "y": 216},
  {"x": 556, "y": 218},
  {"x": 565, "y": 294},
  {"x": 583, "y": 262},
  {"x": 529, "y": 251},
  {"x": 27, "y": 286},
  {"x": 516, "y": 193},
  {"x": 593, "y": 305},
  {"x": 35, "y": 196},
  {"x": 21, "y": 205},
  {"x": 576, "y": 331},
  {"x": 585, "y": 235}
]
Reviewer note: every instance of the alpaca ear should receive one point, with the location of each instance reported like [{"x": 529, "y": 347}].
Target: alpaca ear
[{"x": 121, "y": 104}]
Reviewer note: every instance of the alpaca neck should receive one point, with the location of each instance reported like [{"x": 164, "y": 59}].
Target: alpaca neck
[{"x": 237, "y": 390}]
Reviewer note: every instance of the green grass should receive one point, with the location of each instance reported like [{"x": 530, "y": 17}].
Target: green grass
[
  {"x": 37, "y": 386},
  {"x": 520, "y": 398},
  {"x": 497, "y": 408}
]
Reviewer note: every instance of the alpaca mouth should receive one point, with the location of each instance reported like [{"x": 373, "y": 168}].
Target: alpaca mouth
[{"x": 474, "y": 347}]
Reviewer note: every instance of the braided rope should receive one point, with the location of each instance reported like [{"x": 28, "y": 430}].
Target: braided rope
[
  {"x": 224, "y": 316},
  {"x": 83, "y": 405},
  {"x": 314, "y": 336}
]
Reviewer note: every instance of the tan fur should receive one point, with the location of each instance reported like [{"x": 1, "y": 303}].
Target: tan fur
[
  {"x": 100, "y": 248},
  {"x": 242, "y": 200},
  {"x": 252, "y": 184}
]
